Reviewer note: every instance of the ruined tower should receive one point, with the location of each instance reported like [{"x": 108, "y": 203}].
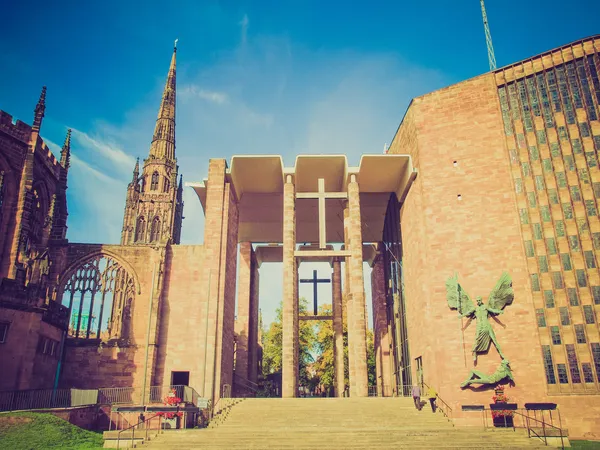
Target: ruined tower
[{"x": 154, "y": 204}]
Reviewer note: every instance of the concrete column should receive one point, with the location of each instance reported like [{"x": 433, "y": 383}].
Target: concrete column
[
  {"x": 380, "y": 327},
  {"x": 253, "y": 333},
  {"x": 347, "y": 305},
  {"x": 243, "y": 310},
  {"x": 290, "y": 301},
  {"x": 357, "y": 330},
  {"x": 338, "y": 335}
]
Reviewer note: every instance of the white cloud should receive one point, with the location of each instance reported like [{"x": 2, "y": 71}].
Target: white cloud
[
  {"x": 109, "y": 150},
  {"x": 191, "y": 91}
]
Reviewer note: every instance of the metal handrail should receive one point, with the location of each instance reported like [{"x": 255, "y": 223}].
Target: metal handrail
[
  {"x": 132, "y": 428},
  {"x": 245, "y": 383},
  {"x": 447, "y": 413},
  {"x": 544, "y": 424}
]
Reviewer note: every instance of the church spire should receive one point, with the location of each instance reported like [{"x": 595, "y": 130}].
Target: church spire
[
  {"x": 65, "y": 154},
  {"x": 136, "y": 171},
  {"x": 39, "y": 111},
  {"x": 163, "y": 141}
]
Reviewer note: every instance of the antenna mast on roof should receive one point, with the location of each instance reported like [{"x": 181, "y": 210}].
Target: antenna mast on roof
[{"x": 488, "y": 38}]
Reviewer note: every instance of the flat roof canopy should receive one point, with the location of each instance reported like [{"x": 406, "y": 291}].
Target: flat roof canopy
[{"x": 258, "y": 181}]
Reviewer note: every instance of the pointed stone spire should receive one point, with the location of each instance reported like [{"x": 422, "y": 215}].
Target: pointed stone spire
[
  {"x": 65, "y": 154},
  {"x": 163, "y": 141},
  {"x": 136, "y": 171},
  {"x": 39, "y": 111},
  {"x": 180, "y": 189}
]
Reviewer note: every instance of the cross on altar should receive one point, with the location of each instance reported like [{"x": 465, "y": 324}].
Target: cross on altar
[
  {"x": 315, "y": 282},
  {"x": 321, "y": 195}
]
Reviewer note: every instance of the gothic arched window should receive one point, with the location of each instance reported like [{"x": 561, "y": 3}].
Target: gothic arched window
[
  {"x": 154, "y": 184},
  {"x": 155, "y": 230},
  {"x": 140, "y": 229},
  {"x": 167, "y": 185},
  {"x": 97, "y": 293},
  {"x": 38, "y": 213}
]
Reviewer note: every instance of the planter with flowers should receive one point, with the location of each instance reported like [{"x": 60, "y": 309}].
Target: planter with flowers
[
  {"x": 171, "y": 419},
  {"x": 502, "y": 411}
]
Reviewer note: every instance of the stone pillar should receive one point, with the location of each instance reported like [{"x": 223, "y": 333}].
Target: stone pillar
[
  {"x": 357, "y": 330},
  {"x": 380, "y": 327},
  {"x": 220, "y": 238},
  {"x": 347, "y": 302},
  {"x": 290, "y": 300},
  {"x": 243, "y": 311},
  {"x": 338, "y": 332},
  {"x": 253, "y": 333}
]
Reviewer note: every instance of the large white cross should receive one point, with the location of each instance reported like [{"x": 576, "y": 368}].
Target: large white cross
[{"x": 321, "y": 195}]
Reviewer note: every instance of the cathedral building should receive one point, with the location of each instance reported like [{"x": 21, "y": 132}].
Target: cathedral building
[{"x": 494, "y": 174}]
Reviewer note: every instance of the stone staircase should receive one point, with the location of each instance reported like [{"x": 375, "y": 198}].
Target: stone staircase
[{"x": 340, "y": 423}]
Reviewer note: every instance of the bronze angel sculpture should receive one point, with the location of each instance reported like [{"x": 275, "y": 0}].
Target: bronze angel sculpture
[{"x": 501, "y": 295}]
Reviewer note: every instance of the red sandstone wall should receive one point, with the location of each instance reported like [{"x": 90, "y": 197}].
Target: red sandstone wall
[
  {"x": 182, "y": 335},
  {"x": 477, "y": 237},
  {"x": 22, "y": 366}
]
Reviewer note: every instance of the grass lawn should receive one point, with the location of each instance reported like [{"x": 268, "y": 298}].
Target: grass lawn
[
  {"x": 585, "y": 445},
  {"x": 33, "y": 431}
]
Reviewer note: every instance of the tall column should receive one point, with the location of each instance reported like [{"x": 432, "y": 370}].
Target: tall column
[
  {"x": 253, "y": 333},
  {"x": 380, "y": 327},
  {"x": 338, "y": 332},
  {"x": 290, "y": 301},
  {"x": 348, "y": 299},
  {"x": 357, "y": 330},
  {"x": 244, "y": 310}
]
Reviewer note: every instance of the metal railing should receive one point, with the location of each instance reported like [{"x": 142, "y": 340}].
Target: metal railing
[
  {"x": 47, "y": 398},
  {"x": 244, "y": 383},
  {"x": 526, "y": 420},
  {"x": 441, "y": 404},
  {"x": 146, "y": 423}
]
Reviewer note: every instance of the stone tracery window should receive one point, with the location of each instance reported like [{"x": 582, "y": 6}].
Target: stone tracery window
[
  {"x": 98, "y": 293},
  {"x": 140, "y": 229},
  {"x": 155, "y": 230},
  {"x": 38, "y": 214},
  {"x": 154, "y": 183}
]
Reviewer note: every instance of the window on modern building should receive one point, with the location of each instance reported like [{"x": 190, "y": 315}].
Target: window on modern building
[
  {"x": 596, "y": 187},
  {"x": 541, "y": 136},
  {"x": 526, "y": 168},
  {"x": 584, "y": 176},
  {"x": 573, "y": 299},
  {"x": 529, "y": 249},
  {"x": 557, "y": 280},
  {"x": 567, "y": 210},
  {"x": 580, "y": 334},
  {"x": 565, "y": 259},
  {"x": 574, "y": 243},
  {"x": 539, "y": 182},
  {"x": 596, "y": 240},
  {"x": 547, "y": 165},
  {"x": 564, "y": 315},
  {"x": 549, "y": 298},
  {"x": 596, "y": 356},
  {"x": 518, "y": 185},
  {"x": 545, "y": 213},
  {"x": 548, "y": 364},
  {"x": 543, "y": 263},
  {"x": 592, "y": 161},
  {"x": 559, "y": 226},
  {"x": 573, "y": 365},
  {"x": 562, "y": 374},
  {"x": 569, "y": 163},
  {"x": 541, "y": 318},
  {"x": 582, "y": 225},
  {"x": 3, "y": 331},
  {"x": 596, "y": 294},
  {"x": 562, "y": 133},
  {"x": 561, "y": 179},
  {"x": 532, "y": 199},
  {"x": 521, "y": 140},
  {"x": 554, "y": 149},
  {"x": 154, "y": 183},
  {"x": 537, "y": 231},
  {"x": 524, "y": 216},
  {"x": 534, "y": 153},
  {"x": 555, "y": 333},
  {"x": 590, "y": 260},
  {"x": 581, "y": 278},
  {"x": 588, "y": 375},
  {"x": 584, "y": 129},
  {"x": 575, "y": 193},
  {"x": 576, "y": 144},
  {"x": 590, "y": 208},
  {"x": 551, "y": 244},
  {"x": 588, "y": 314},
  {"x": 535, "y": 282},
  {"x": 514, "y": 158}
]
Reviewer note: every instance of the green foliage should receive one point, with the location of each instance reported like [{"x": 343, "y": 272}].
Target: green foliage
[
  {"x": 27, "y": 431},
  {"x": 316, "y": 349},
  {"x": 587, "y": 445}
]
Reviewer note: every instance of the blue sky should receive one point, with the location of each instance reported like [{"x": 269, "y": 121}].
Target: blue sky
[{"x": 283, "y": 77}]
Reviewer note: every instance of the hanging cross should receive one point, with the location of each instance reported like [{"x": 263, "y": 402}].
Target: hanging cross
[
  {"x": 321, "y": 195},
  {"x": 315, "y": 282}
]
